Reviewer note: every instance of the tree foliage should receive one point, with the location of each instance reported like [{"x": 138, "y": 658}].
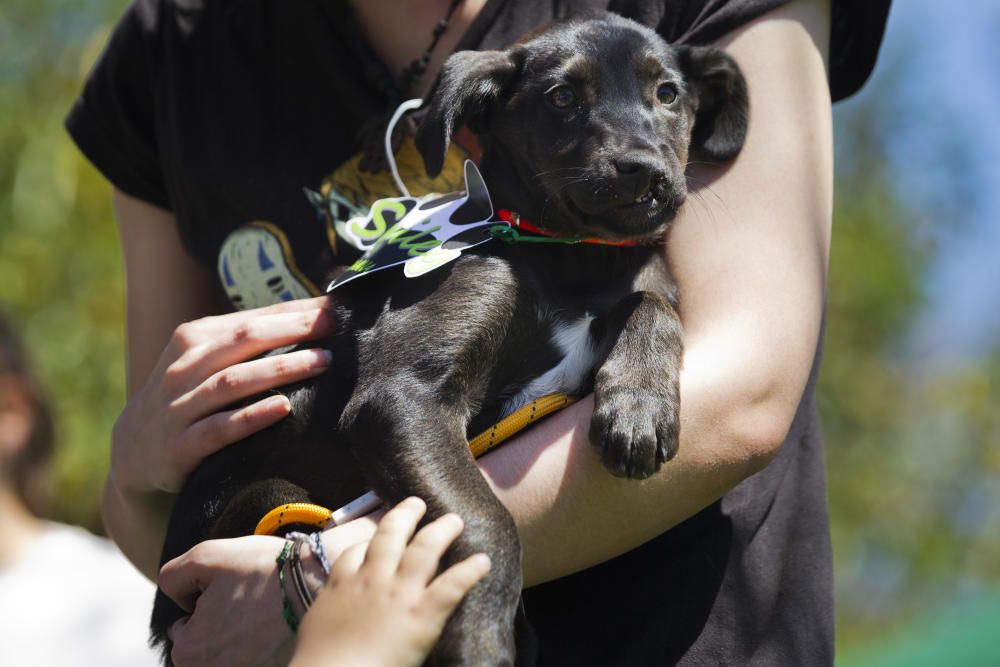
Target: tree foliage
[
  {"x": 914, "y": 480},
  {"x": 60, "y": 268}
]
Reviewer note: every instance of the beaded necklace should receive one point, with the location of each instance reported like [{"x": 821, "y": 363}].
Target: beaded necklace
[
  {"x": 418, "y": 67},
  {"x": 372, "y": 132}
]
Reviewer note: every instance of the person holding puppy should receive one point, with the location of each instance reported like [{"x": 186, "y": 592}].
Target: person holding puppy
[{"x": 210, "y": 119}]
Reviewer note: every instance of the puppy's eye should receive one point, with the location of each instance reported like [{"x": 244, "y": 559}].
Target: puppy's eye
[
  {"x": 561, "y": 97},
  {"x": 666, "y": 93}
]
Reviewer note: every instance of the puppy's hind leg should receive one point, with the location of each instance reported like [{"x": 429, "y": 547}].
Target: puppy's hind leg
[
  {"x": 248, "y": 506},
  {"x": 424, "y": 368},
  {"x": 407, "y": 443}
]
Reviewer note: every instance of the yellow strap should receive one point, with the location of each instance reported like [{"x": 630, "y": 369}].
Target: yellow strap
[
  {"x": 518, "y": 421},
  {"x": 312, "y": 515},
  {"x": 319, "y": 517}
]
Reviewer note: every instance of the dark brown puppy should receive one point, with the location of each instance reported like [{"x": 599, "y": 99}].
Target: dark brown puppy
[{"x": 587, "y": 128}]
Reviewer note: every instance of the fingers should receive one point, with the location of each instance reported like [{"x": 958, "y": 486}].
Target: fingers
[
  {"x": 217, "y": 325},
  {"x": 390, "y": 565},
  {"x": 296, "y": 305},
  {"x": 252, "y": 377},
  {"x": 183, "y": 579},
  {"x": 212, "y": 344},
  {"x": 347, "y": 564},
  {"x": 448, "y": 589},
  {"x": 176, "y": 628},
  {"x": 211, "y": 434},
  {"x": 207, "y": 329},
  {"x": 394, "y": 531},
  {"x": 267, "y": 332},
  {"x": 178, "y": 633},
  {"x": 425, "y": 551}
]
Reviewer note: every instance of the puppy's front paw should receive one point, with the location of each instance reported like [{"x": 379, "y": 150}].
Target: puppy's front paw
[{"x": 635, "y": 431}]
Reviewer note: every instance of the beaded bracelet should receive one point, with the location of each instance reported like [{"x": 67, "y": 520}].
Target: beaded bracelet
[
  {"x": 286, "y": 606},
  {"x": 297, "y": 573},
  {"x": 316, "y": 542}
]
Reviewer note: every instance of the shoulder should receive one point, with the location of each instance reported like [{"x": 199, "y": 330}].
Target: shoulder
[
  {"x": 83, "y": 544},
  {"x": 151, "y": 21},
  {"x": 854, "y": 33},
  {"x": 151, "y": 13},
  {"x": 97, "y": 563}
]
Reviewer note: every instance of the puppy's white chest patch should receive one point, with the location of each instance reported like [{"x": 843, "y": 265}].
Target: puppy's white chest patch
[{"x": 579, "y": 354}]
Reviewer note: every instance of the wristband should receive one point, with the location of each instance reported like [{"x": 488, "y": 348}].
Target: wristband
[
  {"x": 298, "y": 576},
  {"x": 286, "y": 606},
  {"x": 316, "y": 542}
]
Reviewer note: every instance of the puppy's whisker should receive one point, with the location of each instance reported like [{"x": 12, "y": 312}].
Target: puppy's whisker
[
  {"x": 688, "y": 164},
  {"x": 553, "y": 171},
  {"x": 704, "y": 187},
  {"x": 703, "y": 205},
  {"x": 545, "y": 206}
]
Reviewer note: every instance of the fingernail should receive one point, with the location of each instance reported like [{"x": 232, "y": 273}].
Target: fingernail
[
  {"x": 482, "y": 561},
  {"x": 323, "y": 356},
  {"x": 279, "y": 402}
]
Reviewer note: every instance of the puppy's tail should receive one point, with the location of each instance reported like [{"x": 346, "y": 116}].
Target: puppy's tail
[{"x": 165, "y": 613}]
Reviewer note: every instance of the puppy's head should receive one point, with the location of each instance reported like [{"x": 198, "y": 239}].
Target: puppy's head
[{"x": 588, "y": 125}]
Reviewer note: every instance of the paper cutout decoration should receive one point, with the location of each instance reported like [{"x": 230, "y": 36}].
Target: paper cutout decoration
[{"x": 422, "y": 233}]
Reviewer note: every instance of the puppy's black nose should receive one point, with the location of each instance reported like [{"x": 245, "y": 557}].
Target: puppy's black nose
[{"x": 636, "y": 173}]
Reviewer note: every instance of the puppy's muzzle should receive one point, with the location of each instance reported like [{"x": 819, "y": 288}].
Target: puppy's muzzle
[
  {"x": 633, "y": 184},
  {"x": 635, "y": 176}
]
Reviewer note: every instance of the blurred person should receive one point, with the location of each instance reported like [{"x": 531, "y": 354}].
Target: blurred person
[{"x": 67, "y": 597}]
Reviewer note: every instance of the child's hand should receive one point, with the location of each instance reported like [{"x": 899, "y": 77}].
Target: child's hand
[{"x": 380, "y": 606}]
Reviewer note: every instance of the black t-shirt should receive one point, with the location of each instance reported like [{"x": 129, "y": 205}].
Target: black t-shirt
[{"x": 242, "y": 117}]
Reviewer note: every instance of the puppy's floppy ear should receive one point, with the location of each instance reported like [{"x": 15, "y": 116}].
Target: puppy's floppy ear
[
  {"x": 469, "y": 82},
  {"x": 721, "y": 101}
]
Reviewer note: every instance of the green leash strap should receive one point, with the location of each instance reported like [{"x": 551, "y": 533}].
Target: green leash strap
[{"x": 508, "y": 234}]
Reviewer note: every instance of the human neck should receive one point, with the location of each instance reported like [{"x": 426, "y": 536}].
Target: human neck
[
  {"x": 20, "y": 527},
  {"x": 399, "y": 31}
]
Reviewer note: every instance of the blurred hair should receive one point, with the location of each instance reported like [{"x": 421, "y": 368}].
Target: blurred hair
[{"x": 28, "y": 468}]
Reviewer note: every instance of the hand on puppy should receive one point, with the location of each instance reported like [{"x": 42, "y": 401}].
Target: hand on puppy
[
  {"x": 383, "y": 604},
  {"x": 230, "y": 589},
  {"x": 182, "y": 414}
]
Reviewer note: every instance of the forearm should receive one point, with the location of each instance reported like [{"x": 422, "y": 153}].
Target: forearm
[
  {"x": 572, "y": 513},
  {"x": 137, "y": 519},
  {"x": 749, "y": 255},
  {"x": 186, "y": 372},
  {"x": 137, "y": 524}
]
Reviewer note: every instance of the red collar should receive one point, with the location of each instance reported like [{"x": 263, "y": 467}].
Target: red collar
[{"x": 516, "y": 221}]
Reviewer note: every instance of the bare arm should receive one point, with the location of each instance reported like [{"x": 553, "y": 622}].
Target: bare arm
[
  {"x": 184, "y": 369},
  {"x": 152, "y": 251},
  {"x": 749, "y": 255}
]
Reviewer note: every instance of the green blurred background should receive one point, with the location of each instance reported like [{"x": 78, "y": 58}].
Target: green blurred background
[{"x": 911, "y": 367}]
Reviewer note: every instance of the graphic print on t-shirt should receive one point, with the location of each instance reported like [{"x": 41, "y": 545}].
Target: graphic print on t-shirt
[
  {"x": 257, "y": 268},
  {"x": 256, "y": 262}
]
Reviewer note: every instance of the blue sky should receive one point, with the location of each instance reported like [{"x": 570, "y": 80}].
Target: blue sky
[{"x": 941, "y": 62}]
